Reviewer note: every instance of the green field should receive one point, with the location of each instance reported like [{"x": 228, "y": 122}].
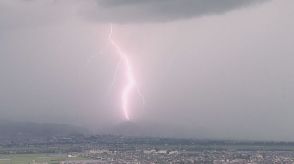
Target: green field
[{"x": 37, "y": 158}]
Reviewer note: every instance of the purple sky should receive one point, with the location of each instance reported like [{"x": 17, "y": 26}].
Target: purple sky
[{"x": 221, "y": 67}]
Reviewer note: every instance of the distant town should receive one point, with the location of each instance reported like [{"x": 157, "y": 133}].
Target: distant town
[{"x": 97, "y": 149}]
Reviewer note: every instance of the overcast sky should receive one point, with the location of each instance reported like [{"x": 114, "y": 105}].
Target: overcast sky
[{"x": 223, "y": 68}]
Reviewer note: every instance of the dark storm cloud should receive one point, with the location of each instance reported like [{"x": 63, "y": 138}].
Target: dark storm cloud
[
  {"x": 18, "y": 13},
  {"x": 125, "y": 11}
]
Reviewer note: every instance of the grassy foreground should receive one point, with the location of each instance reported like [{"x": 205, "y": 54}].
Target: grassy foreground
[{"x": 37, "y": 158}]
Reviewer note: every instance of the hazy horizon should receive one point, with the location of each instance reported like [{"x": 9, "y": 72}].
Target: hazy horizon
[{"x": 206, "y": 68}]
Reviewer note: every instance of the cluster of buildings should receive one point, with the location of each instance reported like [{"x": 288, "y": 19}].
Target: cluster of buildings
[
  {"x": 190, "y": 157},
  {"x": 119, "y": 149}
]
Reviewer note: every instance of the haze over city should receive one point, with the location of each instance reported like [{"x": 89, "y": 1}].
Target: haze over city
[{"x": 220, "y": 69}]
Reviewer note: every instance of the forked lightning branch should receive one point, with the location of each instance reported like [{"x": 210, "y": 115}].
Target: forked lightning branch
[{"x": 131, "y": 84}]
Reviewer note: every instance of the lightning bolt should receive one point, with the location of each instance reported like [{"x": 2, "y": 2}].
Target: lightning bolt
[{"x": 131, "y": 81}]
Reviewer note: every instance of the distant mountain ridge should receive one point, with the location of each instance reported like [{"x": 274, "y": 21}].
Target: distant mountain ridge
[
  {"x": 12, "y": 129},
  {"x": 133, "y": 129},
  {"x": 138, "y": 129}
]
